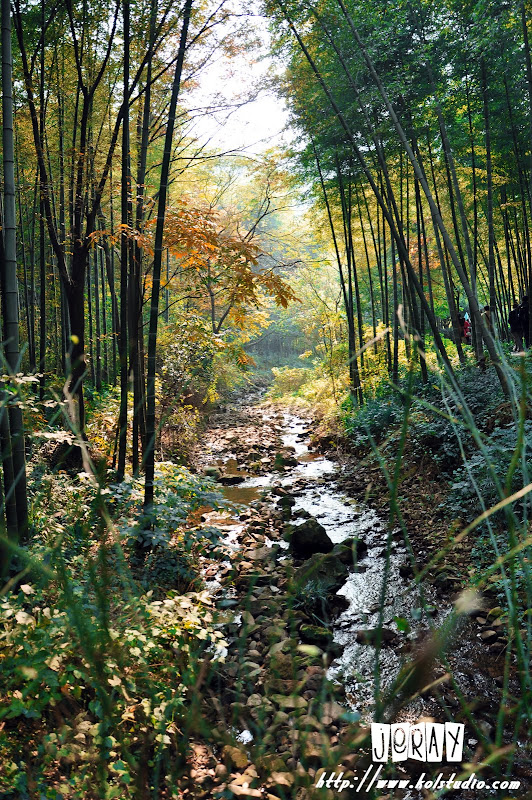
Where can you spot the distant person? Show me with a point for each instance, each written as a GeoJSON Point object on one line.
{"type": "Point", "coordinates": [524, 320]}
{"type": "Point", "coordinates": [461, 323]}
{"type": "Point", "coordinates": [486, 313]}
{"type": "Point", "coordinates": [516, 330]}
{"type": "Point", "coordinates": [467, 330]}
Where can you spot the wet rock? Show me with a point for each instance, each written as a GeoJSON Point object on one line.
{"type": "Point", "coordinates": [301, 513]}
{"type": "Point", "coordinates": [212, 472]}
{"type": "Point", "coordinates": [371, 636]}
{"type": "Point", "coordinates": [350, 550]}
{"type": "Point", "coordinates": [232, 480]}
{"type": "Point", "coordinates": [336, 604]}
{"type": "Point", "coordinates": [310, 537]}
{"type": "Point", "coordinates": [286, 500]}
{"type": "Point", "coordinates": [315, 634]}
{"type": "Point", "coordinates": [329, 570]}
{"type": "Point", "coordinates": [406, 571]}
{"type": "Point", "coordinates": [290, 461]}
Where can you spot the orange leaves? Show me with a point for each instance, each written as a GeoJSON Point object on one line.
{"type": "Point", "coordinates": [143, 241]}
{"type": "Point", "coordinates": [204, 234]}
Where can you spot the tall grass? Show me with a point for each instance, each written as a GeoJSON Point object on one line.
{"type": "Point", "coordinates": [107, 685]}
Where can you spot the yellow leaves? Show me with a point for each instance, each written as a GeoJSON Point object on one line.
{"type": "Point", "coordinates": [245, 360]}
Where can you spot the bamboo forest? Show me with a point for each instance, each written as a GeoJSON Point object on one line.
{"type": "Point", "coordinates": [266, 400]}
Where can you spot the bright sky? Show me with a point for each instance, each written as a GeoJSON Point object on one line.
{"type": "Point", "coordinates": [258, 124]}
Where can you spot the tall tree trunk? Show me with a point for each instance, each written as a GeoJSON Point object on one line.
{"type": "Point", "coordinates": [124, 256]}
{"type": "Point", "coordinates": [42, 243]}
{"type": "Point", "coordinates": [149, 457]}
{"type": "Point", "coordinates": [489, 214]}
{"type": "Point", "coordinates": [8, 276]}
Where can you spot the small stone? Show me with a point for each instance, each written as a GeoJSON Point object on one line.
{"type": "Point", "coordinates": [309, 722]}
{"type": "Point", "coordinates": [488, 636]}
{"type": "Point", "coordinates": [332, 710]}
{"type": "Point", "coordinates": [270, 762]}
{"type": "Point", "coordinates": [251, 666]}
{"type": "Point", "coordinates": [290, 701]}
{"type": "Point", "coordinates": [220, 771]}
{"type": "Point", "coordinates": [372, 636]}
{"type": "Point", "coordinates": [254, 700]}
{"type": "Point", "coordinates": [212, 472]}
{"type": "Point", "coordinates": [281, 665]}
{"type": "Point", "coordinates": [248, 618]}
{"type": "Point", "coordinates": [234, 757]}
{"type": "Point", "coordinates": [314, 746]}
{"type": "Point", "coordinates": [261, 553]}
{"type": "Point", "coordinates": [285, 779]}
{"type": "Point", "coordinates": [244, 791]}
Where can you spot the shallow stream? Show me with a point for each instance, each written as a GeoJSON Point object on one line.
{"type": "Point", "coordinates": [375, 584]}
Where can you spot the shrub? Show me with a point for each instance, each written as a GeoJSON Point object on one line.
{"type": "Point", "coordinates": [476, 479]}
{"type": "Point", "coordinates": [105, 695]}
{"type": "Point", "coordinates": [374, 420]}
{"type": "Point", "coordinates": [288, 380]}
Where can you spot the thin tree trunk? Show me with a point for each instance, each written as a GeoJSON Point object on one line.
{"type": "Point", "coordinates": [149, 457]}
{"type": "Point", "coordinates": [9, 283]}
{"type": "Point", "coordinates": [124, 256]}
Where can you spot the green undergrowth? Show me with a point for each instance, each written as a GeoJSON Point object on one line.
{"type": "Point", "coordinates": [475, 445]}
{"type": "Point", "coordinates": [103, 635]}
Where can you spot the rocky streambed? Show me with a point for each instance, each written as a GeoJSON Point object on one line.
{"type": "Point", "coordinates": [320, 614]}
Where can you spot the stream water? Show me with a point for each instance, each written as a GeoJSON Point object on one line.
{"type": "Point", "coordinates": [376, 591]}
{"type": "Point", "coordinates": [258, 449]}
